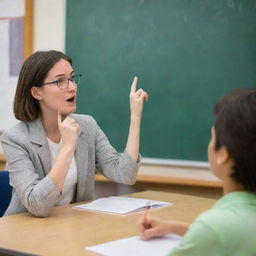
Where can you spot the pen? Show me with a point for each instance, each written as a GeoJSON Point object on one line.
{"type": "Point", "coordinates": [145, 218]}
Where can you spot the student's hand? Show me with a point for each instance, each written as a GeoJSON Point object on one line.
{"type": "Point", "coordinates": [154, 227]}
{"type": "Point", "coordinates": [69, 130]}
{"type": "Point", "coordinates": [137, 99]}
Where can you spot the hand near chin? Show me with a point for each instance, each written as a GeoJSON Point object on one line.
{"type": "Point", "coordinates": [69, 130]}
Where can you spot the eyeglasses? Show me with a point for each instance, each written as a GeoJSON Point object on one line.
{"type": "Point", "coordinates": [63, 82]}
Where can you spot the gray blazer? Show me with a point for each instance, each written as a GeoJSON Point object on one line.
{"type": "Point", "coordinates": [29, 161]}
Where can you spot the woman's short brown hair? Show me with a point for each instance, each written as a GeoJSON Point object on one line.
{"type": "Point", "coordinates": [33, 73]}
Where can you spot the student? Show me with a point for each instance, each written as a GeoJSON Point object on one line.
{"type": "Point", "coordinates": [229, 227]}
{"type": "Point", "coordinates": [52, 154]}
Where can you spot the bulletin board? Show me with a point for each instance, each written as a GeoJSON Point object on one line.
{"type": "Point", "coordinates": [16, 26]}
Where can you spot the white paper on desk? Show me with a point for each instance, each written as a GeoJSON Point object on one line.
{"type": "Point", "coordinates": [120, 205]}
{"type": "Point", "coordinates": [135, 246]}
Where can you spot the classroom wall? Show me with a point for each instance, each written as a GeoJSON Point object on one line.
{"type": "Point", "coordinates": [49, 25]}
{"type": "Point", "coordinates": [11, 15]}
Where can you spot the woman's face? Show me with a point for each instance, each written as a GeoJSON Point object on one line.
{"type": "Point", "coordinates": [51, 97]}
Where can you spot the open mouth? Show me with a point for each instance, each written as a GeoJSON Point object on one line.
{"type": "Point", "coordinates": [72, 99]}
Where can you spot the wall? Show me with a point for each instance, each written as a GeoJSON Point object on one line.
{"type": "Point", "coordinates": [49, 25]}
{"type": "Point", "coordinates": [8, 15]}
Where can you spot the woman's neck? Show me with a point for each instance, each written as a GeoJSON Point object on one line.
{"type": "Point", "coordinates": [51, 128]}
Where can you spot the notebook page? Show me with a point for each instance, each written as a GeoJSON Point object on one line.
{"type": "Point", "coordinates": [135, 246]}
{"type": "Point", "coordinates": [120, 205]}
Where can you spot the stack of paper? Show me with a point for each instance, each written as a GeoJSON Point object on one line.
{"type": "Point", "coordinates": [135, 246]}
{"type": "Point", "coordinates": [121, 205]}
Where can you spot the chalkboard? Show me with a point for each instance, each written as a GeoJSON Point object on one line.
{"type": "Point", "coordinates": [186, 53]}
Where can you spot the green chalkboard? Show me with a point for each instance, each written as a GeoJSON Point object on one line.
{"type": "Point", "coordinates": [186, 53]}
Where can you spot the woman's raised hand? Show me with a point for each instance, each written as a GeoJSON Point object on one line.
{"type": "Point", "coordinates": [137, 98]}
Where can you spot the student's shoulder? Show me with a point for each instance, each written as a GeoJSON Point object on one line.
{"type": "Point", "coordinates": [217, 221]}
{"type": "Point", "coordinates": [212, 216]}
{"type": "Point", "coordinates": [200, 237]}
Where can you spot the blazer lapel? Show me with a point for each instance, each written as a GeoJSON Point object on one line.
{"type": "Point", "coordinates": [81, 160]}
{"type": "Point", "coordinates": [38, 137]}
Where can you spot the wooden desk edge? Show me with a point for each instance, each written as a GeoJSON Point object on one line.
{"type": "Point", "coordinates": [169, 180]}
{"type": "Point", "coordinates": [2, 158]}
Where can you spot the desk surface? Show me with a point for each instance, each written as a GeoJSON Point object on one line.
{"type": "Point", "coordinates": [67, 231]}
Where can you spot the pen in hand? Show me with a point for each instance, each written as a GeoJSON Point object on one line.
{"type": "Point", "coordinates": [145, 216]}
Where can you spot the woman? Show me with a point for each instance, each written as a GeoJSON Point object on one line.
{"type": "Point", "coordinates": [52, 154]}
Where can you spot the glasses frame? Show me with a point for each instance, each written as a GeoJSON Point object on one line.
{"type": "Point", "coordinates": [69, 79]}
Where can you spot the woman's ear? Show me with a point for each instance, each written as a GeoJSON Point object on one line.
{"type": "Point", "coordinates": [35, 92]}
{"type": "Point", "coordinates": [223, 156]}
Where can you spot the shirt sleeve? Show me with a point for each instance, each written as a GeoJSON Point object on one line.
{"type": "Point", "coordinates": [200, 239]}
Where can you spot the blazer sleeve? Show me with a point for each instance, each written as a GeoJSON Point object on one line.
{"type": "Point", "coordinates": [37, 194]}
{"type": "Point", "coordinates": [119, 167]}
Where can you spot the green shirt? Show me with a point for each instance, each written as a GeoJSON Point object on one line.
{"type": "Point", "coordinates": [229, 228]}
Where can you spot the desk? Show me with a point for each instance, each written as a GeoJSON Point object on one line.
{"type": "Point", "coordinates": [2, 161]}
{"type": "Point", "coordinates": [67, 231]}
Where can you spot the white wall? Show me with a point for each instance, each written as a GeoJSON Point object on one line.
{"type": "Point", "coordinates": [7, 82]}
{"type": "Point", "coordinates": [49, 25]}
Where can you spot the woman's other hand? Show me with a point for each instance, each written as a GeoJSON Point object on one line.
{"type": "Point", "coordinates": [137, 98]}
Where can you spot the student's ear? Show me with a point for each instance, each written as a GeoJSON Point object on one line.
{"type": "Point", "coordinates": [35, 92]}
{"type": "Point", "coordinates": [223, 156]}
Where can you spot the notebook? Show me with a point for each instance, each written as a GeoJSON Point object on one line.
{"type": "Point", "coordinates": [135, 246]}
{"type": "Point", "coordinates": [121, 205]}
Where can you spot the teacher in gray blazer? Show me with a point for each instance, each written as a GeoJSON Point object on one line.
{"type": "Point", "coordinates": [53, 154]}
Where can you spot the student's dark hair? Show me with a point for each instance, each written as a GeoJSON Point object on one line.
{"type": "Point", "coordinates": [33, 73]}
{"type": "Point", "coordinates": [235, 128]}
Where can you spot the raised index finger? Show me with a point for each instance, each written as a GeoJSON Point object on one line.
{"type": "Point", "coordinates": [134, 84]}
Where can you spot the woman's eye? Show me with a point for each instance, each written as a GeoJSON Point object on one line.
{"type": "Point", "coordinates": [72, 78]}
{"type": "Point", "coordinates": [61, 80]}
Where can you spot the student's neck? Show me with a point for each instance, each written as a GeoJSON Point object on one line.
{"type": "Point", "coordinates": [51, 128]}
{"type": "Point", "coordinates": [231, 186]}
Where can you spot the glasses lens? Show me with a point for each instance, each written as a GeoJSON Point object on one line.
{"type": "Point", "coordinates": [62, 83]}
